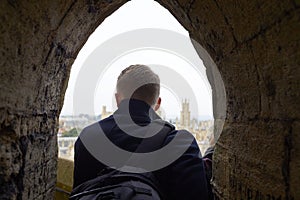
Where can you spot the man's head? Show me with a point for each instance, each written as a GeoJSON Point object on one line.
{"type": "Point", "coordinates": [139, 82]}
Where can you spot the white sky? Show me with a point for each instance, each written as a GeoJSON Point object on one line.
{"type": "Point", "coordinates": [139, 14]}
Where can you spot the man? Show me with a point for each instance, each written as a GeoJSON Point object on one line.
{"type": "Point", "coordinates": [137, 98]}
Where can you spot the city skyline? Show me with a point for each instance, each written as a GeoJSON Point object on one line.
{"type": "Point", "coordinates": [171, 117]}
{"type": "Point", "coordinates": [202, 130]}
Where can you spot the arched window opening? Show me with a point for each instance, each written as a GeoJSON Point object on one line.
{"type": "Point", "coordinates": [185, 90]}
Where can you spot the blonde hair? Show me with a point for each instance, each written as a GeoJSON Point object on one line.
{"type": "Point", "coordinates": [139, 82]}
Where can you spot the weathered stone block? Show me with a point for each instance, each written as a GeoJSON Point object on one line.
{"type": "Point", "coordinates": [277, 58]}
{"type": "Point", "coordinates": [240, 77]}
{"type": "Point", "coordinates": [294, 160]}
{"type": "Point", "coordinates": [251, 18]}
{"type": "Point", "coordinates": [245, 172]}
{"type": "Point", "coordinates": [211, 28]}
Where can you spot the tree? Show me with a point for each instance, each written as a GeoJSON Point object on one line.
{"type": "Point", "coordinates": [71, 133]}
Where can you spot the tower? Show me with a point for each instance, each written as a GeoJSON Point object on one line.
{"type": "Point", "coordinates": [185, 115]}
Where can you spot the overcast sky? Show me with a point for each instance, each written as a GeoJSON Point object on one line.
{"type": "Point", "coordinates": [139, 14]}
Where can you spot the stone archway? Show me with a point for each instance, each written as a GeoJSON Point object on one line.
{"type": "Point", "coordinates": [254, 44]}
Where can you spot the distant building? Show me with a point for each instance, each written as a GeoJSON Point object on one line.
{"type": "Point", "coordinates": [201, 130]}
{"type": "Point", "coordinates": [66, 147]}
{"type": "Point", "coordinates": [105, 113]}
{"type": "Point", "coordinates": [185, 115]}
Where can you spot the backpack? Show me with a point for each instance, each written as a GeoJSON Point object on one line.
{"type": "Point", "coordinates": [118, 185]}
{"type": "Point", "coordinates": [114, 184]}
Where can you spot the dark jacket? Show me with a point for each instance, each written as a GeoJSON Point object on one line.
{"type": "Point", "coordinates": [185, 178]}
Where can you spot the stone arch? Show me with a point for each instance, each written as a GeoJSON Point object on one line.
{"type": "Point", "coordinates": [255, 45]}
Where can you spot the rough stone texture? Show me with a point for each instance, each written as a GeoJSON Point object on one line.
{"type": "Point", "coordinates": [39, 42]}
{"type": "Point", "coordinates": [65, 171]}
{"type": "Point", "coordinates": [295, 161]}
{"type": "Point", "coordinates": [254, 44]}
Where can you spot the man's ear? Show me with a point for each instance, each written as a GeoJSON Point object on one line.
{"type": "Point", "coordinates": [157, 105]}
{"type": "Point", "coordinates": [118, 98]}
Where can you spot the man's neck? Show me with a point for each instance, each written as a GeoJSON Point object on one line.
{"type": "Point", "coordinates": [136, 107]}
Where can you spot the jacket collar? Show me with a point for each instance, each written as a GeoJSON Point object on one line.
{"type": "Point", "coordinates": [136, 108]}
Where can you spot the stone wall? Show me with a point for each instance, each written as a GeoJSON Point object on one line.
{"type": "Point", "coordinates": [254, 44]}
{"type": "Point", "coordinates": [39, 42]}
